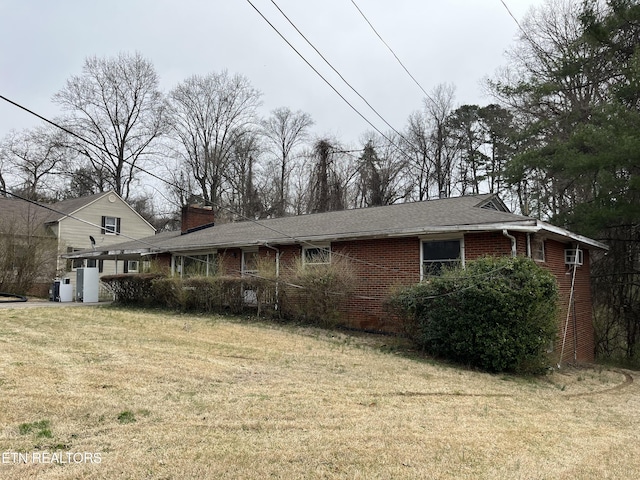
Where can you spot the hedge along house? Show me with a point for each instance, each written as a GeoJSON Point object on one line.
{"type": "Point", "coordinates": [388, 246]}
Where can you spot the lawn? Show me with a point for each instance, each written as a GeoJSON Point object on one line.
{"type": "Point", "coordinates": [101, 392]}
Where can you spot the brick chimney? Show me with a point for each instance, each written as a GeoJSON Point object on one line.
{"type": "Point", "coordinates": [196, 217]}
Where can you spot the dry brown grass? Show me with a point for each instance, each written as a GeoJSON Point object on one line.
{"type": "Point", "coordinates": [213, 398]}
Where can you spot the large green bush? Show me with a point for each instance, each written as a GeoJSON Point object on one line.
{"type": "Point", "coordinates": [498, 314]}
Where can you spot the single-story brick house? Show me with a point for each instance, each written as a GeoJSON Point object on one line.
{"type": "Point", "coordinates": [390, 246]}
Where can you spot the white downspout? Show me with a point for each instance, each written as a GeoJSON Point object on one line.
{"type": "Point", "coordinates": [514, 250]}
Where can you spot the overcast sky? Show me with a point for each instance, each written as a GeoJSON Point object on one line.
{"type": "Point", "coordinates": [461, 42]}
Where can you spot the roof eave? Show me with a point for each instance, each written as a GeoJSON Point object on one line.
{"type": "Point", "coordinates": [580, 239]}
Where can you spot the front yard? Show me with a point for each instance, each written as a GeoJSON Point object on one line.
{"type": "Point", "coordinates": [95, 392]}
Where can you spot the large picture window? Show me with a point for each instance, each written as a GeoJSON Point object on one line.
{"type": "Point", "coordinates": [202, 265]}
{"type": "Point", "coordinates": [439, 254]}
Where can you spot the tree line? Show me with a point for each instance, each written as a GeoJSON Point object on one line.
{"type": "Point", "coordinates": [206, 140]}
{"type": "Point", "coordinates": [560, 141]}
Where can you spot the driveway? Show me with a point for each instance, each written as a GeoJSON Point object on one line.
{"type": "Point", "coordinates": [45, 303]}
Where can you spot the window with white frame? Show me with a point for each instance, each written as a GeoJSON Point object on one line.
{"type": "Point", "coordinates": [316, 255]}
{"type": "Point", "coordinates": [250, 262]}
{"type": "Point", "coordinates": [110, 225]}
{"type": "Point", "coordinates": [131, 266]}
{"type": "Point", "coordinates": [537, 249]}
{"type": "Point", "coordinates": [438, 254]}
{"type": "Point", "coordinates": [75, 263]}
{"type": "Point", "coordinates": [200, 265]}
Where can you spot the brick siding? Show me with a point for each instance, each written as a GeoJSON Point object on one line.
{"type": "Point", "coordinates": [381, 265]}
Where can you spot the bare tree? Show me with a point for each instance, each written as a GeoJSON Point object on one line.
{"type": "Point", "coordinates": [381, 172]}
{"type": "Point", "coordinates": [243, 195]}
{"type": "Point", "coordinates": [116, 105]}
{"type": "Point", "coordinates": [438, 109]}
{"type": "Point", "coordinates": [418, 143]}
{"type": "Point", "coordinates": [5, 170]}
{"type": "Point", "coordinates": [37, 157]}
{"type": "Point", "coordinates": [210, 115]}
{"type": "Point", "coordinates": [467, 130]}
{"type": "Point", "coordinates": [432, 145]}
{"type": "Point", "coordinates": [284, 130]}
{"type": "Point", "coordinates": [28, 252]}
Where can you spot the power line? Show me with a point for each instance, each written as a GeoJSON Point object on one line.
{"type": "Point", "coordinates": [336, 71]}
{"type": "Point", "coordinates": [163, 180]}
{"type": "Point", "coordinates": [314, 69]}
{"type": "Point", "coordinates": [540, 49]}
{"type": "Point", "coordinates": [512, 16]}
{"type": "Point", "coordinates": [391, 142]}
{"type": "Point", "coordinates": [392, 52]}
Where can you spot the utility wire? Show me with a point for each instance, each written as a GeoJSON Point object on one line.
{"type": "Point", "coordinates": [392, 52]}
{"type": "Point", "coordinates": [221, 207]}
{"type": "Point", "coordinates": [360, 114]}
{"type": "Point", "coordinates": [315, 70]}
{"type": "Point", "coordinates": [336, 71]}
{"type": "Point", "coordinates": [52, 208]}
{"type": "Point", "coordinates": [512, 16]}
{"type": "Point", "coordinates": [525, 34]}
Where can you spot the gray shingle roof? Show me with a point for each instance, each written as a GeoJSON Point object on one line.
{"type": "Point", "coordinates": [20, 212]}
{"type": "Point", "coordinates": [451, 214]}
{"type": "Point", "coordinates": [20, 216]}
{"type": "Point", "coordinates": [405, 218]}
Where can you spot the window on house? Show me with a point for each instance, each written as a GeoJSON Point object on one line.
{"type": "Point", "coordinates": [198, 265]}
{"type": "Point", "coordinates": [131, 266]}
{"type": "Point", "coordinates": [110, 225]}
{"type": "Point", "coordinates": [537, 249]}
{"type": "Point", "coordinates": [91, 262]}
{"type": "Point", "coordinates": [249, 262]}
{"type": "Point", "coordinates": [74, 263]}
{"type": "Point", "coordinates": [439, 254]}
{"type": "Point", "coordinates": [320, 255]}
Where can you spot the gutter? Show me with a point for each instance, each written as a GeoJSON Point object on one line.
{"type": "Point", "coordinates": [514, 249]}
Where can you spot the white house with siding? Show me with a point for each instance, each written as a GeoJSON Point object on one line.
{"type": "Point", "coordinates": [93, 221]}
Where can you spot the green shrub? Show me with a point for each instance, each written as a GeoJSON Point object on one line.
{"type": "Point", "coordinates": [127, 416]}
{"type": "Point", "coordinates": [497, 314]}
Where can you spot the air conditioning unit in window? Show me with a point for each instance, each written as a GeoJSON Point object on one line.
{"type": "Point", "coordinates": [573, 256]}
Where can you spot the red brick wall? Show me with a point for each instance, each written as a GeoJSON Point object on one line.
{"type": "Point", "coordinates": [194, 216]}
{"type": "Point", "coordinates": [163, 261]}
{"type": "Point", "coordinates": [579, 343]}
{"type": "Point", "coordinates": [383, 264]}
{"type": "Point", "coordinates": [380, 266]}
{"type": "Point", "coordinates": [478, 245]}
{"type": "Point", "coordinates": [230, 261]}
